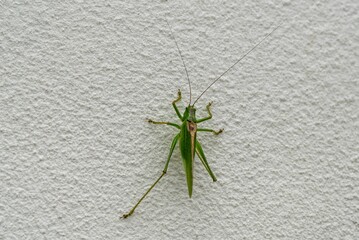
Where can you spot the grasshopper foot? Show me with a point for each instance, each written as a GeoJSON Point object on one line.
{"type": "Point", "coordinates": [124, 216]}
{"type": "Point", "coordinates": [149, 120]}
{"type": "Point", "coordinates": [218, 132]}
{"type": "Point", "coordinates": [179, 97]}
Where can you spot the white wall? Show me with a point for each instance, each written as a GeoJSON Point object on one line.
{"type": "Point", "coordinates": [78, 80]}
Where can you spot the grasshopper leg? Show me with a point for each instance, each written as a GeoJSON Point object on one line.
{"type": "Point", "coordinates": [167, 123]}
{"type": "Point", "coordinates": [174, 142]}
{"type": "Point", "coordinates": [174, 104]}
{"type": "Point", "coordinates": [208, 107]}
{"type": "Point", "coordinates": [210, 130]}
{"type": "Point", "coordinates": [203, 159]}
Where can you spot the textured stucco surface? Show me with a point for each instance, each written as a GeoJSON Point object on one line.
{"type": "Point", "coordinates": [78, 79]}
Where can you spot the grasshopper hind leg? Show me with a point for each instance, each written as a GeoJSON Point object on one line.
{"type": "Point", "coordinates": [173, 145]}
{"type": "Point", "coordinates": [203, 159]}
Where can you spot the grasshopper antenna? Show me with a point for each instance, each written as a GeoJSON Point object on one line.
{"type": "Point", "coordinates": [248, 52]}
{"type": "Point", "coordinates": [184, 65]}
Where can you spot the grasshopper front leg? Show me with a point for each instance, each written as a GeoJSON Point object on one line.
{"type": "Point", "coordinates": [209, 114]}
{"type": "Point", "coordinates": [174, 104]}
{"type": "Point", "coordinates": [177, 112]}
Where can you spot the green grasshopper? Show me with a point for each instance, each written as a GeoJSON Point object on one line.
{"type": "Point", "coordinates": [187, 137]}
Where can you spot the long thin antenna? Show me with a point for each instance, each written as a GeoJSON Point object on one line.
{"type": "Point", "coordinates": [248, 52]}
{"type": "Point", "coordinates": [184, 65]}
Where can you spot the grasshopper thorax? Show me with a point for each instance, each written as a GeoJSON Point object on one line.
{"type": "Point", "coordinates": [189, 114]}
